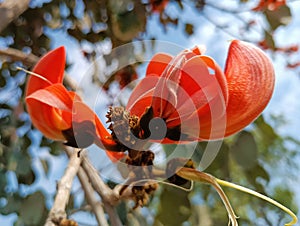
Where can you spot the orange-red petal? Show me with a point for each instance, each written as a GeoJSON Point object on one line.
{"type": "Point", "coordinates": [158, 64]}
{"type": "Point", "coordinates": [141, 96]}
{"type": "Point", "coordinates": [165, 93]}
{"type": "Point", "coordinates": [81, 112]}
{"type": "Point", "coordinates": [202, 98]}
{"type": "Point", "coordinates": [56, 96]}
{"type": "Point", "coordinates": [50, 110]}
{"type": "Point", "coordinates": [51, 67]}
{"type": "Point", "coordinates": [250, 80]}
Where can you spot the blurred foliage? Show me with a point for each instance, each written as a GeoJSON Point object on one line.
{"type": "Point", "coordinates": [248, 158]}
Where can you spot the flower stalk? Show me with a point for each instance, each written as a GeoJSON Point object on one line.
{"type": "Point", "coordinates": [198, 176]}
{"type": "Point", "coordinates": [261, 196]}
{"type": "Point", "coordinates": [195, 175]}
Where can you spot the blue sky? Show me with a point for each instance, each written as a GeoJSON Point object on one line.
{"type": "Point", "coordinates": [285, 100]}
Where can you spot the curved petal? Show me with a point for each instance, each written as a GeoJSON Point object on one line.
{"type": "Point", "coordinates": [102, 138]}
{"type": "Point", "coordinates": [220, 76]}
{"type": "Point", "coordinates": [115, 156]}
{"type": "Point", "coordinates": [50, 110]}
{"type": "Point", "coordinates": [51, 67]}
{"type": "Point", "coordinates": [199, 90]}
{"type": "Point", "coordinates": [56, 96]}
{"type": "Point", "coordinates": [158, 64]}
{"type": "Point", "coordinates": [199, 49]}
{"type": "Point", "coordinates": [48, 119]}
{"type": "Point", "coordinates": [210, 98]}
{"type": "Point", "coordinates": [141, 96]}
{"type": "Point", "coordinates": [195, 77]}
{"type": "Point", "coordinates": [165, 93]}
{"type": "Point", "coordinates": [250, 79]}
{"type": "Point", "coordinates": [82, 112]}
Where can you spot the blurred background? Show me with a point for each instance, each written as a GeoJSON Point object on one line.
{"type": "Point", "coordinates": [264, 157]}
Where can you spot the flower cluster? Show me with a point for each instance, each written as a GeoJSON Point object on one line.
{"type": "Point", "coordinates": [181, 99]}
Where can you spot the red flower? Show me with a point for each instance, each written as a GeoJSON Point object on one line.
{"type": "Point", "coordinates": [158, 5]}
{"type": "Point", "coordinates": [181, 99]}
{"type": "Point", "coordinates": [269, 4]}
{"type": "Point", "coordinates": [60, 114]}
{"type": "Point", "coordinates": [190, 97]}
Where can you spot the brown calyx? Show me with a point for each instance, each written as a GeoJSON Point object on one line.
{"type": "Point", "coordinates": [127, 132]}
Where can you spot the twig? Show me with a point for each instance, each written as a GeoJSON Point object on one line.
{"type": "Point", "coordinates": [91, 199]}
{"type": "Point", "coordinates": [98, 184]}
{"type": "Point", "coordinates": [16, 55]}
{"type": "Point", "coordinates": [226, 10]}
{"type": "Point", "coordinates": [222, 28]}
{"type": "Point", "coordinates": [63, 191]}
{"type": "Point", "coordinates": [235, 13]}
{"type": "Point", "coordinates": [109, 197]}
{"type": "Point", "coordinates": [10, 10]}
{"type": "Point", "coordinates": [89, 194]}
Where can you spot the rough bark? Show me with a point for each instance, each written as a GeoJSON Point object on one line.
{"type": "Point", "coordinates": [10, 10]}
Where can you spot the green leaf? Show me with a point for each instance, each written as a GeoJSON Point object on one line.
{"type": "Point", "coordinates": [280, 17]}
{"type": "Point", "coordinates": [285, 197]}
{"type": "Point", "coordinates": [3, 182]}
{"type": "Point", "coordinates": [244, 150]}
{"type": "Point", "coordinates": [189, 29]}
{"type": "Point", "coordinates": [220, 165]}
{"type": "Point", "coordinates": [267, 132]}
{"type": "Point", "coordinates": [123, 212]}
{"type": "Point", "coordinates": [23, 170]}
{"type": "Point", "coordinates": [25, 142]}
{"type": "Point", "coordinates": [2, 82]}
{"type": "Point", "coordinates": [33, 209]}
{"type": "Point", "coordinates": [23, 164]}
{"type": "Point", "coordinates": [269, 40]}
{"type": "Point", "coordinates": [257, 172]}
{"type": "Point", "coordinates": [28, 178]}
{"type": "Point", "coordinates": [55, 147]}
{"type": "Point", "coordinates": [126, 25]}
{"type": "Point", "coordinates": [175, 207]}
{"type": "Point", "coordinates": [13, 205]}
{"type": "Point", "coordinates": [169, 148]}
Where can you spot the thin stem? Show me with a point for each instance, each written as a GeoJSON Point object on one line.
{"type": "Point", "coordinates": [29, 60]}
{"type": "Point", "coordinates": [163, 182]}
{"type": "Point", "coordinates": [13, 55]}
{"type": "Point", "coordinates": [226, 10]}
{"type": "Point", "coordinates": [251, 192]}
{"type": "Point", "coordinates": [90, 194]}
{"type": "Point", "coordinates": [91, 199]}
{"type": "Point", "coordinates": [222, 28]}
{"type": "Point", "coordinates": [63, 191]}
{"type": "Point", "coordinates": [34, 74]}
{"type": "Point", "coordinates": [108, 196]}
{"type": "Point", "coordinates": [195, 175]}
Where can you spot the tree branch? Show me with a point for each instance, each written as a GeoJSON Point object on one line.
{"type": "Point", "coordinates": [57, 211]}
{"type": "Point", "coordinates": [13, 55]}
{"type": "Point", "coordinates": [90, 194]}
{"type": "Point", "coordinates": [10, 10]}
{"type": "Point", "coordinates": [91, 199]}
{"type": "Point", "coordinates": [109, 197]}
